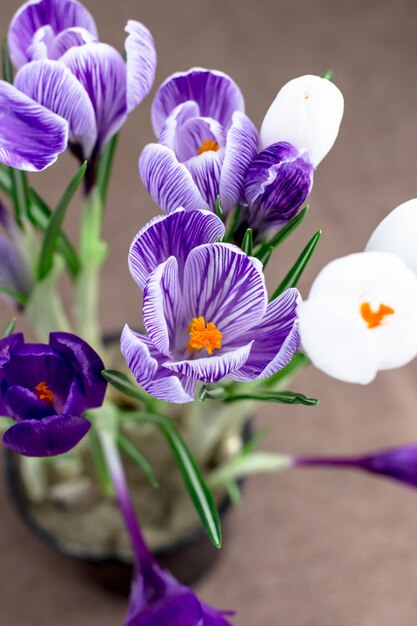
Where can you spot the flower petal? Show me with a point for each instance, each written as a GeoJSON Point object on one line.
{"type": "Point", "coordinates": [168, 181]}
{"type": "Point", "coordinates": [140, 63]}
{"type": "Point", "coordinates": [31, 137]}
{"type": "Point", "coordinates": [277, 339]}
{"type": "Point", "coordinates": [225, 286]}
{"type": "Point", "coordinates": [397, 234]}
{"type": "Point", "coordinates": [175, 235]}
{"type": "Point", "coordinates": [7, 344]}
{"type": "Point", "coordinates": [192, 133]}
{"type": "Point", "coordinates": [101, 70]}
{"type": "Point", "coordinates": [205, 170]}
{"type": "Point", "coordinates": [49, 436]}
{"type": "Point", "coordinates": [216, 94]}
{"type": "Point", "coordinates": [241, 148]}
{"type": "Point", "coordinates": [146, 364]}
{"type": "Point", "coordinates": [162, 305]}
{"type": "Point", "coordinates": [183, 609]}
{"type": "Point", "coordinates": [307, 113]}
{"type": "Point", "coordinates": [51, 84]}
{"type": "Point", "coordinates": [46, 45]}
{"type": "Point", "coordinates": [86, 362]}
{"type": "Point", "coordinates": [59, 14]}
{"type": "Point", "coordinates": [23, 404]}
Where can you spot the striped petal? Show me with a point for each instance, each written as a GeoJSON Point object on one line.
{"type": "Point", "coordinates": [205, 170]}
{"type": "Point", "coordinates": [140, 63]}
{"type": "Point", "coordinates": [175, 235]}
{"type": "Point", "coordinates": [46, 45]}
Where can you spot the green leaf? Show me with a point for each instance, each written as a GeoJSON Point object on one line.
{"type": "Point", "coordinates": [283, 233]}
{"type": "Point", "coordinates": [240, 466]}
{"type": "Point", "coordinates": [233, 492]}
{"type": "Point", "coordinates": [6, 62]}
{"type": "Point", "coordinates": [138, 457]}
{"type": "Point", "coordinates": [280, 397]}
{"type": "Point", "coordinates": [54, 226]}
{"type": "Point", "coordinates": [255, 441]}
{"type": "Point", "coordinates": [219, 210]}
{"type": "Point", "coordinates": [105, 167]}
{"type": "Point", "coordinates": [9, 328]}
{"type": "Point", "coordinates": [5, 180]}
{"type": "Point", "coordinates": [328, 75]}
{"type": "Point", "coordinates": [233, 225]}
{"type": "Point", "coordinates": [41, 215]}
{"type": "Point", "coordinates": [122, 383]}
{"type": "Point", "coordinates": [247, 243]}
{"type": "Point", "coordinates": [20, 298]}
{"type": "Point", "coordinates": [100, 462]}
{"type": "Point", "coordinates": [299, 266]}
{"type": "Point", "coordinates": [264, 258]}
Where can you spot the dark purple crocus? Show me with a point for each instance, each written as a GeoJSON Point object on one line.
{"type": "Point", "coordinates": [396, 463]}
{"type": "Point", "coordinates": [277, 182]}
{"type": "Point", "coordinates": [157, 598]}
{"type": "Point", "coordinates": [46, 389]}
{"type": "Point", "coordinates": [205, 142]}
{"type": "Point", "coordinates": [205, 309]}
{"type": "Point", "coordinates": [65, 68]}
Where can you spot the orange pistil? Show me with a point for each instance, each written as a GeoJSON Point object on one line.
{"type": "Point", "coordinates": [375, 318]}
{"type": "Point", "coordinates": [203, 335]}
{"type": "Point", "coordinates": [44, 393]}
{"type": "Point", "coordinates": [209, 145]}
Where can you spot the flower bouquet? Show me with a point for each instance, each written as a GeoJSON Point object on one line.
{"type": "Point", "coordinates": [82, 417]}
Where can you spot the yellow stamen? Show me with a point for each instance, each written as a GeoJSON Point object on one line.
{"type": "Point", "coordinates": [375, 318]}
{"type": "Point", "coordinates": [209, 145]}
{"type": "Point", "coordinates": [203, 335]}
{"type": "Point", "coordinates": [44, 393]}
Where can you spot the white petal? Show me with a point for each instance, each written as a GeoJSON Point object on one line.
{"type": "Point", "coordinates": [307, 113]}
{"type": "Point", "coordinates": [397, 233]}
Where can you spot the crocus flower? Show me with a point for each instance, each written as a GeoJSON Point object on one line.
{"type": "Point", "coordinates": [277, 182]}
{"type": "Point", "coordinates": [206, 142]}
{"type": "Point", "coordinates": [205, 310]}
{"type": "Point", "coordinates": [46, 389]}
{"type": "Point", "coordinates": [397, 233]}
{"type": "Point", "coordinates": [31, 137]}
{"type": "Point", "coordinates": [361, 316]}
{"type": "Point", "coordinates": [397, 463]}
{"type": "Point", "coordinates": [306, 113]}
{"type": "Point", "coordinates": [14, 271]}
{"type": "Point", "coordinates": [89, 85]}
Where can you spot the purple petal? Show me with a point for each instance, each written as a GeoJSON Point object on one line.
{"type": "Point", "coordinates": [182, 610]}
{"type": "Point", "coordinates": [181, 114]}
{"type": "Point", "coordinates": [162, 305]}
{"type": "Point", "coordinates": [23, 404]}
{"type": "Point", "coordinates": [46, 45]}
{"type": "Point", "coordinates": [168, 181]}
{"type": "Point", "coordinates": [241, 147]}
{"type": "Point", "coordinates": [175, 235]}
{"type": "Point", "coordinates": [146, 364]}
{"type": "Point", "coordinates": [85, 362]}
{"type": "Point", "coordinates": [7, 344]}
{"type": "Point", "coordinates": [277, 339]}
{"type": "Point", "coordinates": [216, 94]}
{"type": "Point", "coordinates": [49, 436]}
{"type": "Point", "coordinates": [191, 133]}
{"type": "Point", "coordinates": [13, 270]}
{"type": "Point", "coordinates": [227, 287]}
{"type": "Point", "coordinates": [140, 63]}
{"type": "Point", "coordinates": [31, 137]}
{"type": "Point", "coordinates": [52, 84]}
{"type": "Point", "coordinates": [101, 70]}
{"type": "Point", "coordinates": [59, 14]}
{"type": "Point", "coordinates": [205, 170]}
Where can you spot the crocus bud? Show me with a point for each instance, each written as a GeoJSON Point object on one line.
{"type": "Point", "coordinates": [397, 233]}
{"type": "Point", "coordinates": [277, 182]}
{"type": "Point", "coordinates": [307, 113]}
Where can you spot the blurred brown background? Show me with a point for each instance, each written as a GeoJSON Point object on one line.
{"type": "Point", "coordinates": [335, 549]}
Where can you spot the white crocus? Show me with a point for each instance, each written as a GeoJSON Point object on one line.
{"type": "Point", "coordinates": [361, 316]}
{"type": "Point", "coordinates": [307, 113]}
{"type": "Point", "coordinates": [397, 233]}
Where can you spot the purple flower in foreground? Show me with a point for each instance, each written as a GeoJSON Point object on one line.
{"type": "Point", "coordinates": [86, 82]}
{"type": "Point", "coordinates": [205, 310]}
{"type": "Point", "coordinates": [396, 463]}
{"type": "Point", "coordinates": [277, 182]}
{"type": "Point", "coordinates": [206, 142]}
{"type": "Point", "coordinates": [31, 137]}
{"type": "Point", "coordinates": [46, 389]}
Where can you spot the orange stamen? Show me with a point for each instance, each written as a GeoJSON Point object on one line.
{"type": "Point", "coordinates": [209, 145]}
{"type": "Point", "coordinates": [44, 393]}
{"type": "Point", "coordinates": [203, 335]}
{"type": "Point", "coordinates": [375, 318]}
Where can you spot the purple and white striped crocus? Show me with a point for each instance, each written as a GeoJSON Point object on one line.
{"type": "Point", "coordinates": [65, 68]}
{"type": "Point", "coordinates": [205, 142]}
{"type": "Point", "coordinates": [46, 389]}
{"type": "Point", "coordinates": [205, 310]}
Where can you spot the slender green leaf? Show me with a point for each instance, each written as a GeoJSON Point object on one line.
{"type": "Point", "coordinates": [41, 215]}
{"type": "Point", "coordinates": [9, 328]}
{"type": "Point", "coordinates": [100, 462]}
{"type": "Point", "coordinates": [16, 295]}
{"type": "Point", "coordinates": [233, 492]}
{"type": "Point", "coordinates": [5, 180]}
{"type": "Point", "coordinates": [297, 363]}
{"type": "Point", "coordinates": [105, 167]}
{"type": "Point", "coordinates": [280, 397]}
{"type": "Point", "coordinates": [299, 266]}
{"type": "Point", "coordinates": [247, 243]}
{"type": "Point", "coordinates": [328, 75]}
{"type": "Point", "coordinates": [264, 258]}
{"type": "Point", "coordinates": [283, 233]}
{"type": "Point", "coordinates": [240, 466]}
{"type": "Point", "coordinates": [122, 383]}
{"type": "Point", "coordinates": [234, 224]}
{"type": "Point", "coordinates": [219, 210]}
{"type": "Point", "coordinates": [139, 458]}
{"type": "Point", "coordinates": [255, 441]}
{"type": "Point", "coordinates": [54, 226]}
